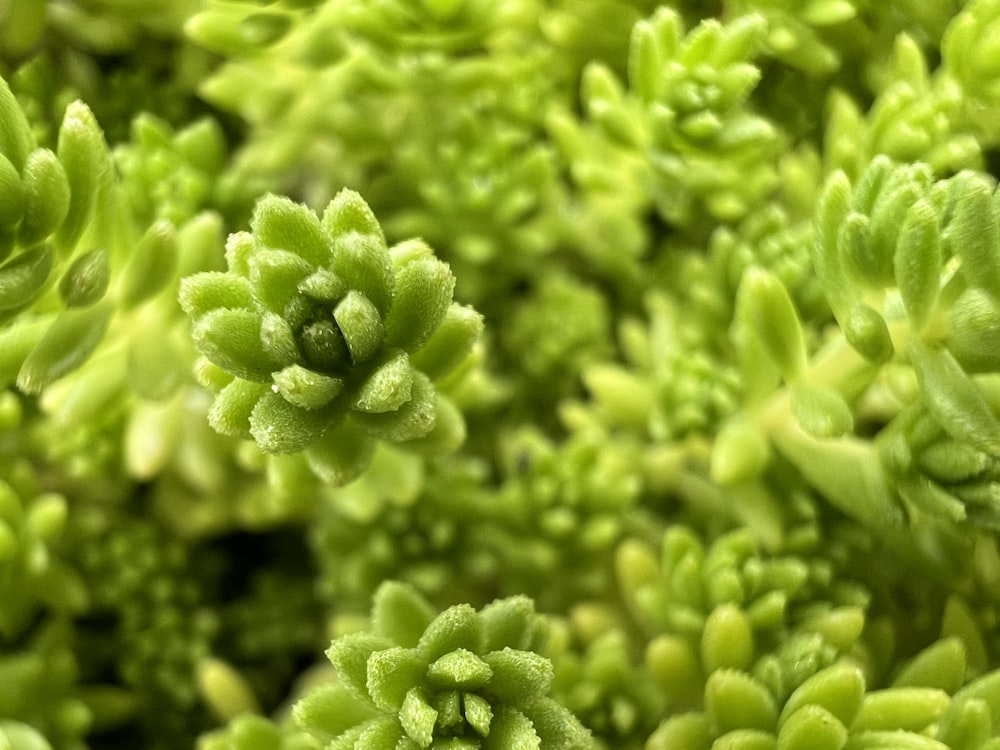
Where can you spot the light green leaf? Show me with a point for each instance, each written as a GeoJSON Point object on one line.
{"type": "Point", "coordinates": [812, 727]}
{"type": "Point", "coordinates": [414, 419]}
{"type": "Point", "coordinates": [941, 665]}
{"type": "Point", "coordinates": [231, 339]}
{"type": "Point", "coordinates": [86, 280]}
{"type": "Point", "coordinates": [83, 153]}
{"type": "Point", "coordinates": [511, 730]}
{"type": "Point", "coordinates": [911, 708]}
{"type": "Point", "coordinates": [954, 399]}
{"type": "Point", "coordinates": [400, 614]}
{"type": "Point", "coordinates": [510, 622]}
{"type": "Point", "coordinates": [359, 322]}
{"type": "Point", "coordinates": [392, 673]}
{"type": "Point", "coordinates": [23, 277]}
{"type": "Point", "coordinates": [459, 669]}
{"type": "Point", "coordinates": [917, 262]}
{"type": "Point", "coordinates": [331, 709]}
{"type": "Point", "coordinates": [305, 388]}
{"type": "Point", "coordinates": [275, 276]}
{"type": "Point", "coordinates": [151, 266]}
{"type": "Point", "coordinates": [727, 640]}
{"type": "Point", "coordinates": [279, 223]}
{"type": "Point", "coordinates": [233, 405]}
{"type": "Point", "coordinates": [209, 290]}
{"type": "Point", "coordinates": [838, 689]}
{"type": "Point", "coordinates": [418, 718]}
{"type": "Point", "coordinates": [457, 627]}
{"type": "Point", "coordinates": [974, 235]}
{"type": "Point", "coordinates": [735, 700]}
{"type": "Point", "coordinates": [281, 427]}
{"type": "Point", "coordinates": [773, 318]}
{"type": "Point", "coordinates": [12, 198]}
{"type": "Point", "coordinates": [47, 197]}
{"type": "Point", "coordinates": [388, 387]}
{"type": "Point", "coordinates": [342, 455]}
{"type": "Point", "coordinates": [68, 343]}
{"type": "Point", "coordinates": [821, 412]}
{"type": "Point", "coordinates": [518, 676]}
{"type": "Point", "coordinates": [423, 295]}
{"type": "Point", "coordinates": [450, 344]}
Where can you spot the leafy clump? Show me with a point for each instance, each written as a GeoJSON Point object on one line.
{"type": "Point", "coordinates": [461, 678]}
{"type": "Point", "coordinates": [328, 340]}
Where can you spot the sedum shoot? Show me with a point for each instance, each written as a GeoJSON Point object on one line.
{"type": "Point", "coordinates": [479, 375]}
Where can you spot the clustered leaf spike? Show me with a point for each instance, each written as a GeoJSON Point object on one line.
{"type": "Point", "coordinates": [429, 679]}
{"type": "Point", "coordinates": [319, 310]}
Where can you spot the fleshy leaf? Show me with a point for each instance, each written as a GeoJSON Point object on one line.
{"type": "Point", "coordinates": [388, 387]}
{"type": "Point", "coordinates": [86, 280]}
{"type": "Point", "coordinates": [392, 673]}
{"type": "Point", "coordinates": [67, 344]}
{"type": "Point", "coordinates": [511, 730]}
{"type": "Point", "coordinates": [231, 339]}
{"type": "Point", "coordinates": [330, 710]}
{"type": "Point", "coordinates": [955, 400]}
{"type": "Point", "coordinates": [414, 419]}
{"type": "Point", "coordinates": [459, 669]}
{"type": "Point", "coordinates": [305, 388]}
{"type": "Point", "coordinates": [280, 223]}
{"type": "Point", "coordinates": [359, 322]}
{"type": "Point", "coordinates": [23, 277]}
{"type": "Point", "coordinates": [342, 454]}
{"type": "Point", "coordinates": [424, 289]}
{"type": "Point", "coordinates": [450, 344]}
{"type": "Point", "coordinates": [152, 264]}
{"type": "Point", "coordinates": [46, 197]}
{"type": "Point", "coordinates": [735, 700]}
{"type": "Point", "coordinates": [400, 613]}
{"type": "Point", "coordinates": [518, 676]}
{"type": "Point", "coordinates": [418, 718]}
{"type": "Point", "coordinates": [81, 151]}
{"type": "Point", "coordinates": [458, 627]}
{"type": "Point", "coordinates": [281, 427]}
{"type": "Point", "coordinates": [203, 292]}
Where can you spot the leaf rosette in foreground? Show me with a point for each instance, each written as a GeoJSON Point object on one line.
{"type": "Point", "coordinates": [320, 337]}
{"type": "Point", "coordinates": [462, 679]}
